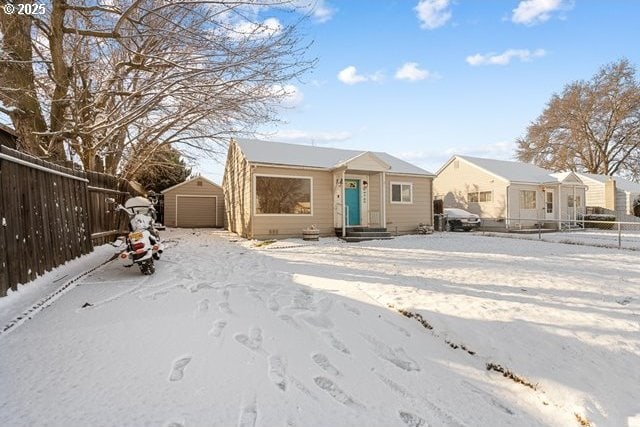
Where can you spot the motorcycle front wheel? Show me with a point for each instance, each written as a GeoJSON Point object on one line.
{"type": "Point", "coordinates": [147, 268]}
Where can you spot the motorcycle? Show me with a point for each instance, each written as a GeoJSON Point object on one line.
{"type": "Point", "coordinates": [143, 244]}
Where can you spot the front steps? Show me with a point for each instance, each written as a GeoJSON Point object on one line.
{"type": "Point", "coordinates": [362, 234]}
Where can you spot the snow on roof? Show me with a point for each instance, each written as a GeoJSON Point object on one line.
{"type": "Point", "coordinates": [621, 183]}
{"type": "Point", "coordinates": [187, 181]}
{"type": "Point", "coordinates": [513, 171]}
{"type": "Point", "coordinates": [280, 153]}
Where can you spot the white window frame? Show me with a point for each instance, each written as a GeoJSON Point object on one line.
{"type": "Point", "coordinates": [535, 200]}
{"type": "Point", "coordinates": [477, 196]}
{"type": "Point", "coordinates": [255, 198]}
{"type": "Point", "coordinates": [410, 184]}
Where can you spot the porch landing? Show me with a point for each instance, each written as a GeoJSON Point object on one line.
{"type": "Point", "coordinates": [362, 234]}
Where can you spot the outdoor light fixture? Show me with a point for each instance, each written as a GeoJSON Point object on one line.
{"type": "Point", "coordinates": [365, 184]}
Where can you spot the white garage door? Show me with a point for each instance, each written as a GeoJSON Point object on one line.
{"type": "Point", "coordinates": [196, 211]}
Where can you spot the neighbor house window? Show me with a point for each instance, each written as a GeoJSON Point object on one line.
{"type": "Point", "coordinates": [573, 203]}
{"type": "Point", "coordinates": [401, 192]}
{"type": "Point", "coordinates": [283, 195]}
{"type": "Point", "coordinates": [527, 199]}
{"type": "Point", "coordinates": [479, 196]}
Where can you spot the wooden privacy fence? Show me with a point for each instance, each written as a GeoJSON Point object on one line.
{"type": "Point", "coordinates": [106, 222]}
{"type": "Point", "coordinates": [48, 214]}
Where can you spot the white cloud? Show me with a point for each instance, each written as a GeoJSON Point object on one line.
{"type": "Point", "coordinates": [314, 137]}
{"type": "Point", "coordinates": [433, 13]}
{"type": "Point", "coordinates": [411, 72]}
{"type": "Point", "coordinates": [350, 76]}
{"type": "Point", "coordinates": [531, 12]}
{"type": "Point", "coordinates": [267, 28]}
{"type": "Point", "coordinates": [289, 95]}
{"type": "Point", "coordinates": [434, 158]}
{"type": "Point", "coordinates": [504, 58]}
{"type": "Point", "coordinates": [319, 10]}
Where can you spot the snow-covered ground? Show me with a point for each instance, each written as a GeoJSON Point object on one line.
{"type": "Point", "coordinates": [310, 334]}
{"type": "Point", "coordinates": [626, 239]}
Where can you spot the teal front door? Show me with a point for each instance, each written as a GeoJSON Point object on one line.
{"type": "Point", "coordinates": [352, 199]}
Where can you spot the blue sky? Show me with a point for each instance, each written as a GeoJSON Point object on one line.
{"type": "Point", "coordinates": [481, 70]}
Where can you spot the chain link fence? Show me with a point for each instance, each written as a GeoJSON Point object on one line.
{"type": "Point", "coordinates": [589, 230]}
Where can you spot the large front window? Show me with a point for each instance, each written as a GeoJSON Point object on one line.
{"type": "Point", "coordinates": [527, 199]}
{"type": "Point", "coordinates": [278, 195]}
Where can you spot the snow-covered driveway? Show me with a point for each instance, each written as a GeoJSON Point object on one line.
{"type": "Point", "coordinates": [291, 334]}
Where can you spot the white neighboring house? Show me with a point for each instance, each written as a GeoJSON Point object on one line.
{"type": "Point", "coordinates": [510, 195]}
{"type": "Point", "coordinates": [612, 193]}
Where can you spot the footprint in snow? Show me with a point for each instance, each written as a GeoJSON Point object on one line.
{"type": "Point", "coordinates": [398, 356]}
{"type": "Point", "coordinates": [334, 391]}
{"type": "Point", "coordinates": [273, 304]}
{"type": "Point", "coordinates": [411, 420]}
{"type": "Point", "coordinates": [336, 343]}
{"type": "Point", "coordinates": [253, 341]}
{"type": "Point", "coordinates": [351, 309]}
{"type": "Point", "coordinates": [202, 307]}
{"type": "Point", "coordinates": [288, 320]}
{"type": "Point", "coordinates": [218, 327]}
{"type": "Point", "coordinates": [277, 371]}
{"type": "Point", "coordinates": [323, 362]}
{"type": "Point", "coordinates": [177, 370]}
{"type": "Point", "coordinates": [224, 307]}
{"type": "Point", "coordinates": [318, 320]}
{"type": "Point", "coordinates": [400, 329]}
{"type": "Point", "coordinates": [248, 415]}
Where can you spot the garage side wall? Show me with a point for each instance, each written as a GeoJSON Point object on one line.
{"type": "Point", "coordinates": [193, 202]}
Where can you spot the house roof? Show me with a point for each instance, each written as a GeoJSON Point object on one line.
{"type": "Point", "coordinates": [187, 181]}
{"type": "Point", "coordinates": [621, 183]}
{"type": "Point", "coordinates": [511, 171]}
{"type": "Point", "coordinates": [280, 153]}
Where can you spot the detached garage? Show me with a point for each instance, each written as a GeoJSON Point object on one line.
{"type": "Point", "coordinates": [197, 202]}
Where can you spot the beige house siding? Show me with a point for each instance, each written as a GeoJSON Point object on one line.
{"type": "Point", "coordinates": [405, 217]}
{"type": "Point", "coordinates": [237, 192]}
{"type": "Point", "coordinates": [528, 217]}
{"type": "Point", "coordinates": [375, 194]}
{"type": "Point", "coordinates": [595, 193]}
{"type": "Point", "coordinates": [282, 226]}
{"type": "Point", "coordinates": [596, 197]}
{"type": "Point", "coordinates": [457, 180]}
{"type": "Point", "coordinates": [180, 210]}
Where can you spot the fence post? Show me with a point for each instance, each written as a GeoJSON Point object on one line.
{"type": "Point", "coordinates": [539, 230]}
{"type": "Point", "coordinates": [619, 235]}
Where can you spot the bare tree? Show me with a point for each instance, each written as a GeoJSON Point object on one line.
{"type": "Point", "coordinates": [593, 126]}
{"type": "Point", "coordinates": [116, 81]}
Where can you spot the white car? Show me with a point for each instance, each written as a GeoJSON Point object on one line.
{"type": "Point", "coordinates": [459, 219]}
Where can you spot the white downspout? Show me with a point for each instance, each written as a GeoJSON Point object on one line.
{"type": "Point", "coordinates": [508, 224]}
{"type": "Point", "coordinates": [384, 200]}
{"type": "Point", "coordinates": [559, 207]}
{"type": "Point", "coordinates": [575, 217]}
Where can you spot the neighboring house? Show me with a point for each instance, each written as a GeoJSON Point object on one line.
{"type": "Point", "coordinates": [612, 193]}
{"type": "Point", "coordinates": [510, 194]}
{"type": "Point", "coordinates": [197, 202]}
{"type": "Point", "coordinates": [8, 137]}
{"type": "Point", "coordinates": [274, 189]}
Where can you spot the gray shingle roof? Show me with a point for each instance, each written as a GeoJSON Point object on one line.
{"type": "Point", "coordinates": [513, 171]}
{"type": "Point", "coordinates": [280, 153]}
{"type": "Point", "coordinates": [621, 183]}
